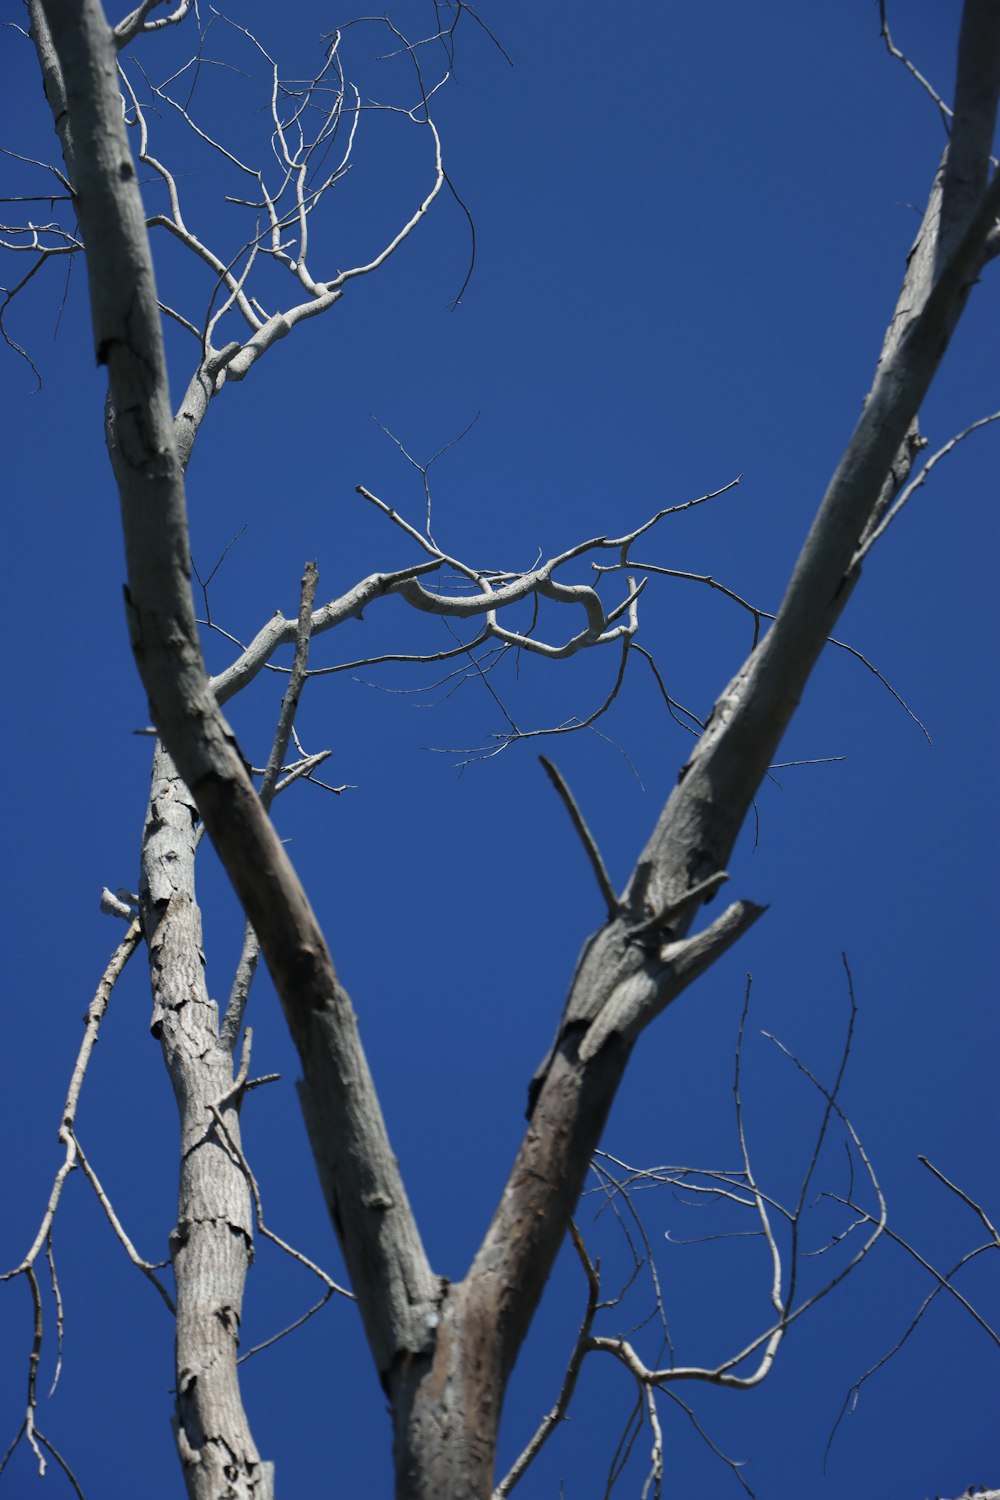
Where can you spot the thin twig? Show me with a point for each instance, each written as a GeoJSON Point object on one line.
{"type": "Point", "coordinates": [977, 1208]}
{"type": "Point", "coordinates": [917, 483]}
{"type": "Point", "coordinates": [893, 50]}
{"type": "Point", "coordinates": [275, 1239]}
{"type": "Point", "coordinates": [557, 1414]}
{"type": "Point", "coordinates": [586, 837]}
{"type": "Point", "coordinates": [250, 953]}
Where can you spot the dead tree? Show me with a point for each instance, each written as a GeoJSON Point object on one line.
{"type": "Point", "coordinates": [444, 1352]}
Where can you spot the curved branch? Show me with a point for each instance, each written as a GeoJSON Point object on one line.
{"type": "Point", "coordinates": [132, 25]}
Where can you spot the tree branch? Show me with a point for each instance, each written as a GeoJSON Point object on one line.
{"type": "Point", "coordinates": [614, 991]}
{"type": "Point", "coordinates": [390, 1275]}
{"type": "Point", "coordinates": [586, 837]}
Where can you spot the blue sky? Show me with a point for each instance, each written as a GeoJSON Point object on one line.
{"type": "Point", "coordinates": [690, 228]}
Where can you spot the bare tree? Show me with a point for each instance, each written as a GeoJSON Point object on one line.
{"type": "Point", "coordinates": [444, 1351]}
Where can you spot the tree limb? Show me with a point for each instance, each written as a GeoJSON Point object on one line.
{"type": "Point", "coordinates": [591, 850]}
{"type": "Point", "coordinates": [697, 829]}
{"type": "Point", "coordinates": [390, 1275]}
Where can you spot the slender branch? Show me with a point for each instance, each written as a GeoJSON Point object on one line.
{"type": "Point", "coordinates": [943, 1284]}
{"type": "Point", "coordinates": [73, 1157]}
{"type": "Point", "coordinates": [586, 837]}
{"type": "Point", "coordinates": [558, 1413]}
{"type": "Point", "coordinates": [759, 615]}
{"type": "Point", "coordinates": [96, 1011]}
{"type": "Point", "coordinates": [777, 1299]}
{"type": "Point", "coordinates": [246, 968]}
{"type": "Point", "coordinates": [943, 1279]}
{"type": "Point", "coordinates": [275, 1239]}
{"type": "Point", "coordinates": [952, 1187]}
{"type": "Point", "coordinates": [893, 51]}
{"type": "Point", "coordinates": [918, 483]}
{"type": "Point", "coordinates": [147, 1268]}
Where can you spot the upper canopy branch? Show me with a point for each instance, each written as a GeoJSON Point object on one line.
{"type": "Point", "coordinates": [308, 120]}
{"type": "Point", "coordinates": [287, 205]}
{"type": "Point", "coordinates": [494, 591]}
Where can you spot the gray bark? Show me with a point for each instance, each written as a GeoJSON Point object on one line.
{"type": "Point", "coordinates": [445, 1353]}
{"type": "Point", "coordinates": [212, 1244]}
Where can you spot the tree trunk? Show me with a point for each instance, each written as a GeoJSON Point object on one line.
{"type": "Point", "coordinates": [212, 1244]}
{"type": "Point", "coordinates": [446, 1409]}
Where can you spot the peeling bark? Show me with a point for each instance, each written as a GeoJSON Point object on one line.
{"type": "Point", "coordinates": [212, 1244]}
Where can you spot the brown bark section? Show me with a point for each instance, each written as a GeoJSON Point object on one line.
{"type": "Point", "coordinates": [446, 1407]}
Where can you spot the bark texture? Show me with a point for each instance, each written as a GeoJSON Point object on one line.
{"type": "Point", "coordinates": [212, 1244]}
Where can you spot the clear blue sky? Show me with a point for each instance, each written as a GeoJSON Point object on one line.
{"type": "Point", "coordinates": [691, 223]}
